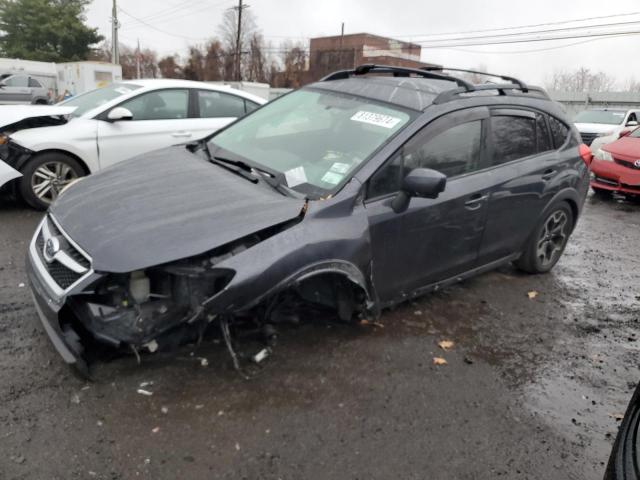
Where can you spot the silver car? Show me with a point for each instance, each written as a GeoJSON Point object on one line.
{"type": "Point", "coordinates": [21, 88]}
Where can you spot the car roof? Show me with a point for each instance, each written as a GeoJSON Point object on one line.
{"type": "Point", "coordinates": [158, 83]}
{"type": "Point", "coordinates": [415, 93]}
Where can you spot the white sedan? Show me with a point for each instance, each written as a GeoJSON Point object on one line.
{"type": "Point", "coordinates": [53, 145]}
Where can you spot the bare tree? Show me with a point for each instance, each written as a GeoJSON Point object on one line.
{"type": "Point", "coordinates": [256, 61]}
{"type": "Point", "coordinates": [170, 67]}
{"type": "Point", "coordinates": [294, 64]}
{"type": "Point", "coordinates": [195, 65]}
{"type": "Point", "coordinates": [632, 85]}
{"type": "Point", "coordinates": [580, 80]}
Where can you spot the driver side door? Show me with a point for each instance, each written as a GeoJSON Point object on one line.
{"type": "Point", "coordinates": [433, 239]}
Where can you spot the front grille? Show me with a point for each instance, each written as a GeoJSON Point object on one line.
{"type": "Point", "coordinates": [61, 274]}
{"type": "Point", "coordinates": [626, 164]}
{"type": "Point", "coordinates": [587, 138]}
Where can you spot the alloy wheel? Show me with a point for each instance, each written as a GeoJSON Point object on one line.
{"type": "Point", "coordinates": [50, 178]}
{"type": "Point", "coordinates": [553, 238]}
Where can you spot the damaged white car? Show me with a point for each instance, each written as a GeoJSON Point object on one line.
{"type": "Point", "coordinates": [51, 146]}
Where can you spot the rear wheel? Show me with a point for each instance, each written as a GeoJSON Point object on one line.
{"type": "Point", "coordinates": [546, 245]}
{"type": "Point", "coordinates": [44, 177]}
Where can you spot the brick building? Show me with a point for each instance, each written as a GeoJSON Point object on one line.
{"type": "Point", "coordinates": [328, 54]}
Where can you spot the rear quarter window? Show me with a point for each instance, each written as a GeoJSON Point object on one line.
{"type": "Point", "coordinates": [559, 131]}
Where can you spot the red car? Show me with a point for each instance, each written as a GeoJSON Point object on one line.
{"type": "Point", "coordinates": [616, 166]}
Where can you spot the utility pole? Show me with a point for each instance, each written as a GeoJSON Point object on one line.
{"type": "Point", "coordinates": [341, 44]}
{"type": "Point", "coordinates": [115, 55]}
{"type": "Point", "coordinates": [239, 8]}
{"type": "Point", "coordinates": [138, 61]}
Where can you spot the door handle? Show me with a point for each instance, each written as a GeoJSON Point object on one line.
{"type": "Point", "coordinates": [181, 134]}
{"type": "Point", "coordinates": [548, 174]}
{"type": "Point", "coordinates": [475, 201]}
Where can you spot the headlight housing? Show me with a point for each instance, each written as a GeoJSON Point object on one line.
{"type": "Point", "coordinates": [603, 155]}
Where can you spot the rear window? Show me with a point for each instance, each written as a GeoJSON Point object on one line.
{"type": "Point", "coordinates": [512, 138]}
{"type": "Point", "coordinates": [559, 131]}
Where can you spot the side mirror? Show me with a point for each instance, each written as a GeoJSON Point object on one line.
{"type": "Point", "coordinates": [624, 133]}
{"type": "Point", "coordinates": [632, 123]}
{"type": "Point", "coordinates": [420, 182]}
{"type": "Point", "coordinates": [119, 113]}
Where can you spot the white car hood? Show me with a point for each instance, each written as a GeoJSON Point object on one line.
{"type": "Point", "coordinates": [12, 114]}
{"type": "Point", "coordinates": [597, 127]}
{"type": "Point", "coordinates": [7, 173]}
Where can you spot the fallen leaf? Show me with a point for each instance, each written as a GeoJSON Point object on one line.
{"type": "Point", "coordinates": [439, 361]}
{"type": "Point", "coordinates": [532, 294]}
{"type": "Point", "coordinates": [446, 345]}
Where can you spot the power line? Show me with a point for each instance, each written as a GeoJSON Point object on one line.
{"type": "Point", "coordinates": [159, 29]}
{"type": "Point", "coordinates": [561, 22]}
{"type": "Point", "coordinates": [171, 16]}
{"type": "Point", "coordinates": [534, 32]}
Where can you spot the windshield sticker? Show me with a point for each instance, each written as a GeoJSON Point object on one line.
{"type": "Point", "coordinates": [332, 178]}
{"type": "Point", "coordinates": [122, 90]}
{"type": "Point", "coordinates": [340, 168]}
{"type": "Point", "coordinates": [377, 119]}
{"type": "Point", "coordinates": [618, 114]}
{"type": "Point", "coordinates": [295, 176]}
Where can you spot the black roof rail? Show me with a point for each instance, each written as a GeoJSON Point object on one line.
{"type": "Point", "coordinates": [398, 71]}
{"type": "Point", "coordinates": [523, 86]}
{"type": "Point", "coordinates": [502, 88]}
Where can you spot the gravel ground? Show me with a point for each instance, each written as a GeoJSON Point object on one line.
{"type": "Point", "coordinates": [531, 389]}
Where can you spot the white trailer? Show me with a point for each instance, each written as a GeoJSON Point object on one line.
{"type": "Point", "coordinates": [75, 78]}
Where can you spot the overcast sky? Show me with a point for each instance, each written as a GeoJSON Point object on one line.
{"type": "Point", "coordinates": [413, 20]}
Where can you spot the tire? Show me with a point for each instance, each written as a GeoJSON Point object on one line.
{"type": "Point", "coordinates": [601, 192]}
{"type": "Point", "coordinates": [545, 247]}
{"type": "Point", "coordinates": [45, 175]}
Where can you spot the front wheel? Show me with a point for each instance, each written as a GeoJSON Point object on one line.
{"type": "Point", "coordinates": [45, 176]}
{"type": "Point", "coordinates": [546, 245]}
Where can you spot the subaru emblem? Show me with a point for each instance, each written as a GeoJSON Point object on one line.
{"type": "Point", "coordinates": [637, 163]}
{"type": "Point", "coordinates": [51, 248]}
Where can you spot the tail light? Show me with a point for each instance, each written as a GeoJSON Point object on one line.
{"type": "Point", "coordinates": [585, 154]}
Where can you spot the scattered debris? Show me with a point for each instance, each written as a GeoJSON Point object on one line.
{"type": "Point", "coordinates": [410, 323]}
{"type": "Point", "coordinates": [220, 413]}
{"type": "Point", "coordinates": [532, 294]}
{"type": "Point", "coordinates": [199, 407]}
{"type": "Point", "coordinates": [617, 416]}
{"type": "Point", "coordinates": [204, 362]}
{"type": "Point", "coordinates": [237, 446]}
{"type": "Point", "coordinates": [439, 361]}
{"type": "Point", "coordinates": [145, 392]}
{"type": "Point", "coordinates": [18, 459]}
{"type": "Point", "coordinates": [364, 321]}
{"type": "Point", "coordinates": [446, 345]}
{"type": "Point", "coordinates": [21, 285]}
{"type": "Point", "coordinates": [75, 398]}
{"type": "Point", "coordinates": [152, 346]}
{"type": "Point", "coordinates": [261, 355]}
{"type": "Point", "coordinates": [155, 430]}
{"type": "Point", "coordinates": [418, 312]}
{"type": "Point", "coordinates": [468, 361]}
{"type": "Point", "coordinates": [99, 423]}
{"type": "Point", "coordinates": [164, 410]}
{"type": "Point", "coordinates": [146, 384]}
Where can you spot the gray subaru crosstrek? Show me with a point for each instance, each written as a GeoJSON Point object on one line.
{"type": "Point", "coordinates": [351, 194]}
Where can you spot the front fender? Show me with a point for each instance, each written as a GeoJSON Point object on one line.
{"type": "Point", "coordinates": [322, 243]}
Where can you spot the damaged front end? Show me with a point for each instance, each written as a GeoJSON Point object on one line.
{"type": "Point", "coordinates": [88, 313]}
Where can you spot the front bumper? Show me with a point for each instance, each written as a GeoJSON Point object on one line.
{"type": "Point", "coordinates": [615, 177]}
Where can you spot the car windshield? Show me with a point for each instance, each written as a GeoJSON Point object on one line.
{"type": "Point", "coordinates": [95, 98]}
{"type": "Point", "coordinates": [608, 117]}
{"type": "Point", "coordinates": [635, 133]}
{"type": "Point", "coordinates": [315, 138]}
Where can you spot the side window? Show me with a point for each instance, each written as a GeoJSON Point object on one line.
{"type": "Point", "coordinates": [220, 105]}
{"type": "Point", "coordinates": [454, 152]}
{"type": "Point", "coordinates": [632, 117]}
{"type": "Point", "coordinates": [559, 132]}
{"type": "Point", "coordinates": [159, 105]}
{"type": "Point", "coordinates": [250, 106]}
{"type": "Point", "coordinates": [16, 81]}
{"type": "Point", "coordinates": [512, 138]}
{"type": "Point", "coordinates": [542, 134]}
{"type": "Point", "coordinates": [34, 83]}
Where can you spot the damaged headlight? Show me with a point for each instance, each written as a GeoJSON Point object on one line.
{"type": "Point", "coordinates": [603, 155]}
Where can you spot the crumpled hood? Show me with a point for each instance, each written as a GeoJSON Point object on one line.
{"type": "Point", "coordinates": [12, 115]}
{"type": "Point", "coordinates": [165, 206]}
{"type": "Point", "coordinates": [627, 148]}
